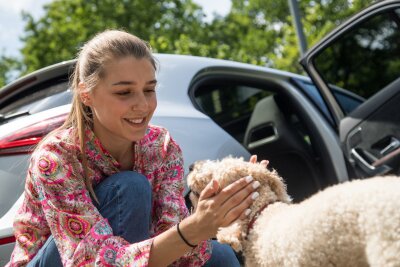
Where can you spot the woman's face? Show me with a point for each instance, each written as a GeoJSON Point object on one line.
{"type": "Point", "coordinates": [124, 100]}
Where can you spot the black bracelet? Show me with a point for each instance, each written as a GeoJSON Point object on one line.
{"type": "Point", "coordinates": [184, 239]}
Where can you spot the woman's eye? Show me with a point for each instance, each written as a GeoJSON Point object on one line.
{"type": "Point", "coordinates": [150, 90]}
{"type": "Point", "coordinates": [122, 93]}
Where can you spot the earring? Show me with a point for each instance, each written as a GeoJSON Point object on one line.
{"type": "Point", "coordinates": [84, 99]}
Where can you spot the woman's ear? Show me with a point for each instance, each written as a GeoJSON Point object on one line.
{"type": "Point", "coordinates": [84, 95]}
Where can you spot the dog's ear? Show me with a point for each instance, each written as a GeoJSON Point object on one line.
{"type": "Point", "coordinates": [278, 186]}
{"type": "Point", "coordinates": [199, 176]}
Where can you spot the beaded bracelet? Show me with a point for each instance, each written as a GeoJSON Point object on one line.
{"type": "Point", "coordinates": [183, 238]}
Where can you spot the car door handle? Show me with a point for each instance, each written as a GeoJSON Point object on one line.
{"type": "Point", "coordinates": [393, 145]}
{"type": "Point", "coordinates": [386, 158]}
{"type": "Point", "coordinates": [367, 167]}
{"type": "Point", "coordinates": [261, 135]}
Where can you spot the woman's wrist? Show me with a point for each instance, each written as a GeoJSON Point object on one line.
{"type": "Point", "coordinates": [183, 237]}
{"type": "Point", "coordinates": [191, 231]}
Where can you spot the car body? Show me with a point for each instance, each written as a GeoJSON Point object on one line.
{"type": "Point", "coordinates": [312, 131]}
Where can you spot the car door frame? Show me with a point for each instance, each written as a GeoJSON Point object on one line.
{"type": "Point", "coordinates": [331, 162]}
{"type": "Point", "coordinates": [345, 126]}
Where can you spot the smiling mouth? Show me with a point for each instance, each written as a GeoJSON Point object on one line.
{"type": "Point", "coordinates": [135, 121]}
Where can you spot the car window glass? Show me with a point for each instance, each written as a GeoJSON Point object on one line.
{"type": "Point", "coordinates": [229, 105]}
{"type": "Point", "coordinates": [46, 97]}
{"type": "Point", "coordinates": [347, 100]}
{"type": "Point", "coordinates": [312, 93]}
{"type": "Point", "coordinates": [365, 59]}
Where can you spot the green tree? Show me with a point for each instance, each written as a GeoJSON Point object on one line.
{"type": "Point", "coordinates": [254, 31]}
{"type": "Point", "coordinates": [9, 68]}
{"type": "Point", "coordinates": [262, 32]}
{"type": "Point", "coordinates": [67, 24]}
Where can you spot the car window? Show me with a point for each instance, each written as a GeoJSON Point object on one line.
{"type": "Point", "coordinates": [363, 60]}
{"type": "Point", "coordinates": [229, 105]}
{"type": "Point", "coordinates": [311, 91]}
{"type": "Point", "coordinates": [346, 99]}
{"type": "Point", "coordinates": [38, 99]}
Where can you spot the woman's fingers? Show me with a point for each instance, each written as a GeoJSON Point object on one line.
{"type": "Point", "coordinates": [241, 211]}
{"type": "Point", "coordinates": [245, 214]}
{"type": "Point", "coordinates": [232, 189]}
{"type": "Point", "coordinates": [211, 189]}
{"type": "Point", "coordinates": [264, 163]}
{"type": "Point", "coordinates": [253, 159]}
{"type": "Point", "coordinates": [235, 205]}
{"type": "Point", "coordinates": [219, 207]}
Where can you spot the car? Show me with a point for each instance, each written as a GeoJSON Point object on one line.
{"type": "Point", "coordinates": [342, 122]}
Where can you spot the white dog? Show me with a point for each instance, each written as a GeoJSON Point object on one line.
{"type": "Point", "coordinates": [351, 224]}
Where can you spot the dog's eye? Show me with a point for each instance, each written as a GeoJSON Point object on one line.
{"type": "Point", "coordinates": [191, 166]}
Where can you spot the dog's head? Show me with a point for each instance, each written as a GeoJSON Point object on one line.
{"type": "Point", "coordinates": [228, 170]}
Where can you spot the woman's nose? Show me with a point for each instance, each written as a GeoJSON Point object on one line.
{"type": "Point", "coordinates": [139, 102]}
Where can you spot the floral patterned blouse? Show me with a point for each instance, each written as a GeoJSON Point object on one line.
{"type": "Point", "coordinates": [58, 203]}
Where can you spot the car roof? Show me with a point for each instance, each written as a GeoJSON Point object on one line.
{"type": "Point", "coordinates": [180, 63]}
{"type": "Point", "coordinates": [174, 73]}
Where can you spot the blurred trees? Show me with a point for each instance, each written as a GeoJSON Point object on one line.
{"type": "Point", "coordinates": [254, 31]}
{"type": "Point", "coordinates": [9, 68]}
{"type": "Point", "coordinates": [67, 24]}
{"type": "Point", "coordinates": [267, 34]}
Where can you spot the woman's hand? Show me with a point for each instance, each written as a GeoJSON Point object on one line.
{"type": "Point", "coordinates": [218, 207]}
{"type": "Point", "coordinates": [195, 199]}
{"type": "Point", "coordinates": [253, 159]}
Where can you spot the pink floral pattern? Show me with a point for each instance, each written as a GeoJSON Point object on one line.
{"type": "Point", "coordinates": [57, 202]}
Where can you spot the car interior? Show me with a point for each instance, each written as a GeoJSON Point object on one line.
{"type": "Point", "coordinates": [264, 117]}
{"type": "Point", "coordinates": [267, 124]}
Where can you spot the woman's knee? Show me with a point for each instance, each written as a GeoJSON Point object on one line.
{"type": "Point", "coordinates": [125, 188]}
{"type": "Point", "coordinates": [127, 182]}
{"type": "Point", "coordinates": [125, 200]}
{"type": "Point", "coordinates": [129, 178]}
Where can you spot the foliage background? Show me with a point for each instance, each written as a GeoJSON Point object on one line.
{"type": "Point", "coordinates": [254, 31]}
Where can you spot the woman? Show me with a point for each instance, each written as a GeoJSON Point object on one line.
{"type": "Point", "coordinates": [106, 187]}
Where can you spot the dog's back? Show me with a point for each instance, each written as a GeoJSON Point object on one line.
{"type": "Point", "coordinates": [351, 224]}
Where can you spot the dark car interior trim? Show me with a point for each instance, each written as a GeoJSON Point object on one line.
{"type": "Point", "coordinates": [300, 163]}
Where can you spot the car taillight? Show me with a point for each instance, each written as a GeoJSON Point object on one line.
{"type": "Point", "coordinates": [24, 140]}
{"type": "Point", "coordinates": [7, 240]}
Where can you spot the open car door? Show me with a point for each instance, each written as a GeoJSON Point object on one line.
{"type": "Point", "coordinates": [363, 56]}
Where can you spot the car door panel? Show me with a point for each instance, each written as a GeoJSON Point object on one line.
{"type": "Point", "coordinates": [370, 134]}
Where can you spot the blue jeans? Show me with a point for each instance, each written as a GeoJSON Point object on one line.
{"type": "Point", "coordinates": [119, 193]}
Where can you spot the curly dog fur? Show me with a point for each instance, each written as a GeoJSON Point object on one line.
{"type": "Point", "coordinates": [351, 224]}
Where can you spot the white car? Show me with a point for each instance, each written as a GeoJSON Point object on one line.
{"type": "Point", "coordinates": [312, 131]}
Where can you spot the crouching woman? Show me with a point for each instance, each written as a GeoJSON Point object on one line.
{"type": "Point", "coordinates": [106, 187]}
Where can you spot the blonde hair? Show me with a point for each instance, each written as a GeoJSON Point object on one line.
{"type": "Point", "coordinates": [89, 69]}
